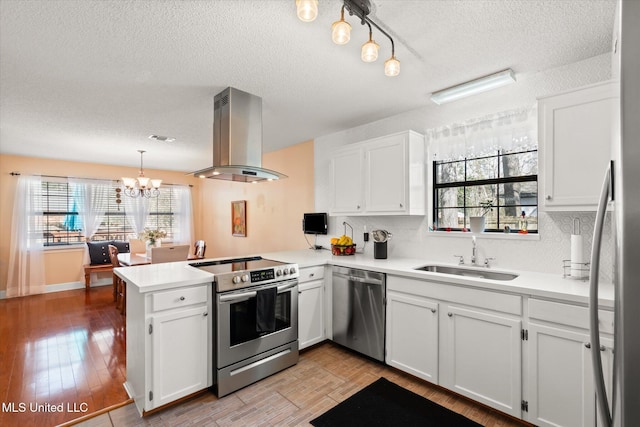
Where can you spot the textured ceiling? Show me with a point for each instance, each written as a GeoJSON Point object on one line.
{"type": "Point", "coordinates": [91, 80]}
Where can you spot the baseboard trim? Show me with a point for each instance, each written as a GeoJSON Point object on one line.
{"type": "Point", "coordinates": [96, 414]}
{"type": "Point", "coordinates": [69, 286]}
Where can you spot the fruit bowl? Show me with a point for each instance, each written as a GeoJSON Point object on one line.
{"type": "Point", "coordinates": [341, 250]}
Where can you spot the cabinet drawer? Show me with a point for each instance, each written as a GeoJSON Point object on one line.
{"type": "Point", "coordinates": [570, 315]}
{"type": "Point", "coordinates": [479, 298]}
{"type": "Point", "coordinates": [311, 273]}
{"type": "Point", "coordinates": [179, 297]}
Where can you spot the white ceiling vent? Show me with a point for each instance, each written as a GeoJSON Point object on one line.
{"type": "Point", "coordinates": [161, 138]}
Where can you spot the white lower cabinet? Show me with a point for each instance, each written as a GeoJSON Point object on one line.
{"type": "Point", "coordinates": [412, 335]}
{"type": "Point", "coordinates": [534, 364]}
{"type": "Point", "coordinates": [311, 325]}
{"type": "Point", "coordinates": [481, 356]}
{"type": "Point", "coordinates": [169, 344]}
{"type": "Point", "coordinates": [179, 341]}
{"type": "Point", "coordinates": [467, 340]}
{"type": "Point", "coordinates": [561, 386]}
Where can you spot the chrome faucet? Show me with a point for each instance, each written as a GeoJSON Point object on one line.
{"type": "Point", "coordinates": [473, 251]}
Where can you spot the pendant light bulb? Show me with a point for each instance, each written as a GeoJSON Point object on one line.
{"type": "Point", "coordinates": [341, 30]}
{"type": "Point", "coordinates": [370, 51]}
{"type": "Point", "coordinates": [307, 10]}
{"type": "Point", "coordinates": [391, 67]}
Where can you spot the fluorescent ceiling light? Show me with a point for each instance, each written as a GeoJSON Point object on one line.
{"type": "Point", "coordinates": [473, 87]}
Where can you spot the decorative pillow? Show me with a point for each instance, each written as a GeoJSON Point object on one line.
{"type": "Point", "coordinates": [123, 247]}
{"type": "Point", "coordinates": [99, 253]}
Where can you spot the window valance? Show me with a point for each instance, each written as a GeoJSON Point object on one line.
{"type": "Point", "coordinates": [508, 131]}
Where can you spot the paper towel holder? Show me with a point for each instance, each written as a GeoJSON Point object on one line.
{"type": "Point", "coordinates": [576, 220]}
{"type": "Point", "coordinates": [583, 267]}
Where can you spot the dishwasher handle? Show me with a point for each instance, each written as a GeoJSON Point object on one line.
{"type": "Point", "coordinates": [370, 278]}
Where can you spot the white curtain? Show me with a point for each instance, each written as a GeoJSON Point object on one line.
{"type": "Point", "coordinates": [91, 197]}
{"type": "Point", "coordinates": [26, 259]}
{"type": "Point", "coordinates": [183, 216]}
{"type": "Point", "coordinates": [515, 130]}
{"type": "Point", "coordinates": [137, 209]}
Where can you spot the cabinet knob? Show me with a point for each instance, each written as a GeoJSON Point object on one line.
{"type": "Point", "coordinates": [450, 314]}
{"type": "Point", "coordinates": [358, 207]}
{"type": "Point", "coordinates": [548, 197]}
{"type": "Point", "coordinates": [587, 344]}
{"type": "Point", "coordinates": [602, 348]}
{"type": "Point", "coordinates": [312, 274]}
{"type": "Point", "coordinates": [181, 298]}
{"type": "Point", "coordinates": [205, 314]}
{"type": "Point", "coordinates": [433, 310]}
{"type": "Point", "coordinates": [400, 204]}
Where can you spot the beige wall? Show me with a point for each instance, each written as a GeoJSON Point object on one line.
{"type": "Point", "coordinates": [274, 209]}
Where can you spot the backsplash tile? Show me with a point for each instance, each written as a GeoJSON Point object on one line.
{"type": "Point", "coordinates": [411, 238]}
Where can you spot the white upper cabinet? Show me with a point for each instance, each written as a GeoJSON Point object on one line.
{"type": "Point", "coordinates": [380, 176]}
{"type": "Point", "coordinates": [575, 131]}
{"type": "Point", "coordinates": [347, 173]}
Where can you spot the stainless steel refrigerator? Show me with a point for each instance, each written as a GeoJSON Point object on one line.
{"type": "Point", "coordinates": [622, 187]}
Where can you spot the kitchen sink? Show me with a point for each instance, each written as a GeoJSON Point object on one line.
{"type": "Point", "coordinates": [468, 272]}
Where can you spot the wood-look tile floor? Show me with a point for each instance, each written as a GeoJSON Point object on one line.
{"type": "Point", "coordinates": [324, 376]}
{"type": "Point", "coordinates": [63, 348]}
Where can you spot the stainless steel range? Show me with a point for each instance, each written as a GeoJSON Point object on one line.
{"type": "Point", "coordinates": [256, 322]}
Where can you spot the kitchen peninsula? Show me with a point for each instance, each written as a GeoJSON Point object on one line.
{"type": "Point", "coordinates": [507, 328]}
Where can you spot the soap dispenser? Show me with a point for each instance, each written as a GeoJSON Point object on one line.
{"type": "Point", "coordinates": [523, 224]}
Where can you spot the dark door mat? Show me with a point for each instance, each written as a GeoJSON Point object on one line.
{"type": "Point", "coordinates": [384, 403]}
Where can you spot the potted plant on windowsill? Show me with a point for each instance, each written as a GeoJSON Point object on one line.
{"type": "Point", "coordinates": [477, 223]}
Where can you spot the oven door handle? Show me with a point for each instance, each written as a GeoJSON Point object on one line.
{"type": "Point", "coordinates": [236, 297]}
{"type": "Point", "coordinates": [287, 287]}
{"type": "Point", "coordinates": [252, 294]}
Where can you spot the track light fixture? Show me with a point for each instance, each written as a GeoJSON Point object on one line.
{"type": "Point", "coordinates": [341, 32]}
{"type": "Point", "coordinates": [370, 48]}
{"type": "Point", "coordinates": [307, 10]}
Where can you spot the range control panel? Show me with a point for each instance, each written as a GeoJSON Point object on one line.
{"type": "Point", "coordinates": [243, 279]}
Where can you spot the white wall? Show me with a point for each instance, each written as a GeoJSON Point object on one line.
{"type": "Point", "coordinates": [411, 237]}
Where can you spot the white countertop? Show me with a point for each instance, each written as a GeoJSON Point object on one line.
{"type": "Point", "coordinates": [168, 275]}
{"type": "Point", "coordinates": [154, 277]}
{"type": "Point", "coordinates": [528, 283]}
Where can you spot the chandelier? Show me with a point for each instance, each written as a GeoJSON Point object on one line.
{"type": "Point", "coordinates": [139, 187]}
{"type": "Point", "coordinates": [307, 11]}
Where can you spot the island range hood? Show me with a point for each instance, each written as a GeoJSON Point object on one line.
{"type": "Point", "coordinates": [237, 139]}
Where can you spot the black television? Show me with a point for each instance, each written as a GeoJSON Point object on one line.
{"type": "Point", "coordinates": [314, 223]}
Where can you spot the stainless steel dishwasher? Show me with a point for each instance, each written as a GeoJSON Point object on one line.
{"type": "Point", "coordinates": [359, 310]}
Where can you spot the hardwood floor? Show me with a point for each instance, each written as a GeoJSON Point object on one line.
{"type": "Point", "coordinates": [68, 348]}
{"type": "Point", "coordinates": [62, 350]}
{"type": "Point", "coordinates": [324, 376]}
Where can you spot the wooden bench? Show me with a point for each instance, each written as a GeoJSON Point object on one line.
{"type": "Point", "coordinates": [98, 268]}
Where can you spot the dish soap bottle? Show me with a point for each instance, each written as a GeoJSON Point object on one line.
{"type": "Point", "coordinates": [523, 224]}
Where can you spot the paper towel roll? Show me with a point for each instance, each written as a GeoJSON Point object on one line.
{"type": "Point", "coordinates": [577, 257]}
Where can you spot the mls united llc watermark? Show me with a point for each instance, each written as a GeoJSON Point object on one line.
{"type": "Point", "coordinates": [21, 407]}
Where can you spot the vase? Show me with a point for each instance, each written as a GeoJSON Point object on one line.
{"type": "Point", "coordinates": [150, 245]}
{"type": "Point", "coordinates": [476, 223]}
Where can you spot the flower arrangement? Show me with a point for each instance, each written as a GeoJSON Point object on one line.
{"type": "Point", "coordinates": [152, 235]}
{"type": "Point", "coordinates": [486, 207]}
